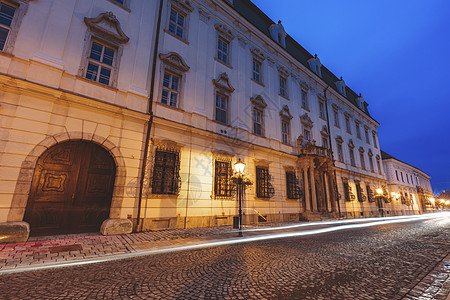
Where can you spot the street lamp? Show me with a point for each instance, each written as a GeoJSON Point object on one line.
{"type": "Point", "coordinates": [239, 167]}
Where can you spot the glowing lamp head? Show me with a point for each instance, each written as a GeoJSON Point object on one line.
{"type": "Point", "coordinates": [239, 167]}
{"type": "Point", "coordinates": [379, 191]}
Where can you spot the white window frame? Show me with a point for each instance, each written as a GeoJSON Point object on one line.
{"type": "Point", "coordinates": [184, 9]}
{"type": "Point", "coordinates": [304, 99]}
{"type": "Point", "coordinates": [99, 63]}
{"type": "Point", "coordinates": [169, 89]}
{"type": "Point", "coordinates": [283, 85]}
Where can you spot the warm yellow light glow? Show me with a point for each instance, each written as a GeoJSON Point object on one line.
{"type": "Point", "coordinates": [379, 191]}
{"type": "Point", "coordinates": [239, 166]}
{"type": "Point", "coordinates": [447, 202]}
{"type": "Point", "coordinates": [432, 200]}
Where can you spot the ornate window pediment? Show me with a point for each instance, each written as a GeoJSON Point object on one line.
{"type": "Point", "coordinates": [335, 107]}
{"type": "Point", "coordinates": [223, 83]}
{"type": "Point", "coordinates": [258, 101]}
{"type": "Point", "coordinates": [324, 131]}
{"type": "Point", "coordinates": [224, 32]}
{"type": "Point", "coordinates": [377, 157]}
{"type": "Point", "coordinates": [185, 6]}
{"type": "Point", "coordinates": [350, 144]}
{"type": "Point", "coordinates": [370, 153]}
{"type": "Point", "coordinates": [258, 54]}
{"type": "Point", "coordinates": [106, 25]}
{"type": "Point", "coordinates": [306, 120]}
{"type": "Point", "coordinates": [339, 139]}
{"type": "Point", "coordinates": [304, 86]}
{"type": "Point", "coordinates": [285, 114]}
{"type": "Point", "coordinates": [361, 149]}
{"type": "Point", "coordinates": [175, 61]}
{"type": "Point", "coordinates": [283, 71]}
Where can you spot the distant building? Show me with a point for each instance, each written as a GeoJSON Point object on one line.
{"type": "Point", "coordinates": [132, 113]}
{"type": "Point", "coordinates": [410, 187]}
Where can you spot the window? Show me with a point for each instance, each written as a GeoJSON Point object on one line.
{"type": "Point", "coordinates": [358, 131]}
{"type": "Point", "coordinates": [340, 152]}
{"type": "Point", "coordinates": [257, 121]}
{"type": "Point", "coordinates": [347, 124]}
{"type": "Point", "coordinates": [223, 50]}
{"type": "Point", "coordinates": [305, 100]}
{"type": "Point", "coordinates": [336, 118]}
{"type": "Point", "coordinates": [257, 71]}
{"type": "Point", "coordinates": [379, 166]}
{"type": "Point", "coordinates": [6, 17]}
{"type": "Point", "coordinates": [285, 132]}
{"type": "Point", "coordinates": [171, 89]}
{"type": "Point", "coordinates": [222, 174]}
{"type": "Point", "coordinates": [166, 173]}
{"type": "Point", "coordinates": [307, 134]}
{"type": "Point", "coordinates": [396, 174]}
{"type": "Point", "coordinates": [366, 132]}
{"type": "Point", "coordinates": [262, 182]}
{"type": "Point", "coordinates": [371, 163]}
{"type": "Point", "coordinates": [177, 23]}
{"type": "Point", "coordinates": [401, 174]}
{"type": "Point", "coordinates": [374, 141]}
{"type": "Point", "coordinates": [291, 185]}
{"type": "Point", "coordinates": [221, 108]}
{"type": "Point", "coordinates": [352, 157]}
{"type": "Point", "coordinates": [347, 191]}
{"type": "Point", "coordinates": [369, 193]}
{"type": "Point", "coordinates": [407, 179]}
{"type": "Point", "coordinates": [100, 62]}
{"type": "Point", "coordinates": [363, 163]}
{"type": "Point", "coordinates": [122, 2]}
{"type": "Point", "coordinates": [322, 110]}
{"type": "Point", "coordinates": [325, 142]}
{"type": "Point", "coordinates": [283, 86]}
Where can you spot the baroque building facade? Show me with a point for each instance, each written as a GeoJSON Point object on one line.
{"type": "Point", "coordinates": [121, 114]}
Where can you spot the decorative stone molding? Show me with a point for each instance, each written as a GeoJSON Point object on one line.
{"type": "Point", "coordinates": [347, 115]}
{"type": "Point", "coordinates": [278, 33]}
{"type": "Point", "coordinates": [175, 61]}
{"type": "Point", "coordinates": [185, 6]}
{"type": "Point", "coordinates": [283, 71]}
{"type": "Point", "coordinates": [224, 32]}
{"type": "Point", "coordinates": [377, 157]}
{"type": "Point", "coordinates": [324, 131]}
{"type": "Point", "coordinates": [271, 61]}
{"type": "Point", "coordinates": [339, 139]}
{"type": "Point", "coordinates": [258, 101]}
{"type": "Point", "coordinates": [335, 106]}
{"type": "Point", "coordinates": [306, 120]}
{"type": "Point", "coordinates": [242, 41]}
{"type": "Point", "coordinates": [262, 162]}
{"type": "Point", "coordinates": [304, 85]}
{"type": "Point", "coordinates": [222, 155]}
{"type": "Point", "coordinates": [350, 144]}
{"type": "Point", "coordinates": [285, 114]}
{"type": "Point", "coordinates": [366, 127]}
{"type": "Point", "coordinates": [103, 24]}
{"type": "Point", "coordinates": [223, 83]}
{"type": "Point", "coordinates": [204, 16]}
{"type": "Point", "coordinates": [374, 132]}
{"type": "Point", "coordinates": [361, 149]}
{"type": "Point", "coordinates": [166, 144]}
{"type": "Point", "coordinates": [258, 54]}
{"type": "Point", "coordinates": [370, 153]}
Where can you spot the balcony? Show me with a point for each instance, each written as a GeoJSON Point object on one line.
{"type": "Point", "coordinates": [310, 149]}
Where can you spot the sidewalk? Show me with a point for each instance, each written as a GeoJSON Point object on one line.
{"type": "Point", "coordinates": [61, 249]}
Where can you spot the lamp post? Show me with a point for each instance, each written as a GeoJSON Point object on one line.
{"type": "Point", "coordinates": [239, 167]}
{"type": "Point", "coordinates": [379, 197]}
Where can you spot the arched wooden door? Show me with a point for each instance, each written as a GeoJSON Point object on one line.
{"type": "Point", "coordinates": [71, 190]}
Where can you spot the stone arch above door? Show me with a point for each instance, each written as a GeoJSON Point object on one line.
{"type": "Point", "coordinates": [23, 185]}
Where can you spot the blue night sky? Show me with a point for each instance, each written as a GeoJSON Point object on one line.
{"type": "Point", "coordinates": [397, 54]}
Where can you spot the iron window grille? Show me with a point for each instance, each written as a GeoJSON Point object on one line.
{"type": "Point", "coordinates": [6, 17]}
{"type": "Point", "coordinates": [222, 184]}
{"type": "Point", "coordinates": [348, 192]}
{"type": "Point", "coordinates": [100, 63]}
{"type": "Point", "coordinates": [166, 178]}
{"type": "Point", "coordinates": [264, 188]}
{"type": "Point", "coordinates": [292, 186]}
{"type": "Point", "coordinates": [359, 193]}
{"type": "Point", "coordinates": [370, 196]}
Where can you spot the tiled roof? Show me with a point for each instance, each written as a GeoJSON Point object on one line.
{"type": "Point", "coordinates": [260, 20]}
{"type": "Point", "coordinates": [385, 156]}
{"type": "Point", "coordinates": [444, 195]}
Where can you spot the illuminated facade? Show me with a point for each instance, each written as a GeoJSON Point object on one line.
{"type": "Point", "coordinates": [410, 187]}
{"type": "Point", "coordinates": [224, 83]}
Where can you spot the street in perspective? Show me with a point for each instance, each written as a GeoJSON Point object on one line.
{"type": "Point", "coordinates": [224, 149]}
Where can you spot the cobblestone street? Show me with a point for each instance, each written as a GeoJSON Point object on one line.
{"type": "Point", "coordinates": [387, 261]}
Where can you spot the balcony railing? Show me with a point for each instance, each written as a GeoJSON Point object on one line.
{"type": "Point", "coordinates": [310, 149]}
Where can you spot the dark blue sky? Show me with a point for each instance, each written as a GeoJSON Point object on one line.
{"type": "Point", "coordinates": [397, 54]}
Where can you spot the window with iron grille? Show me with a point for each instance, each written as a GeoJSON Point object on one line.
{"type": "Point", "coordinates": [171, 89]}
{"type": "Point", "coordinates": [262, 182]}
{"type": "Point", "coordinates": [359, 193]}
{"type": "Point", "coordinates": [291, 185]}
{"type": "Point", "coordinates": [346, 191]}
{"type": "Point", "coordinates": [6, 17]}
{"type": "Point", "coordinates": [369, 194]}
{"type": "Point", "coordinates": [222, 175]}
{"type": "Point", "coordinates": [166, 173]}
{"type": "Point", "coordinates": [177, 23]}
{"type": "Point", "coordinates": [100, 63]}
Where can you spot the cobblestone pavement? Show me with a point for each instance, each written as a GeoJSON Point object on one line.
{"type": "Point", "coordinates": [388, 261]}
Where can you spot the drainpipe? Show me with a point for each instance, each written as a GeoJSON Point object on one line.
{"type": "Point", "coordinates": [149, 124]}
{"type": "Point", "coordinates": [329, 140]}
